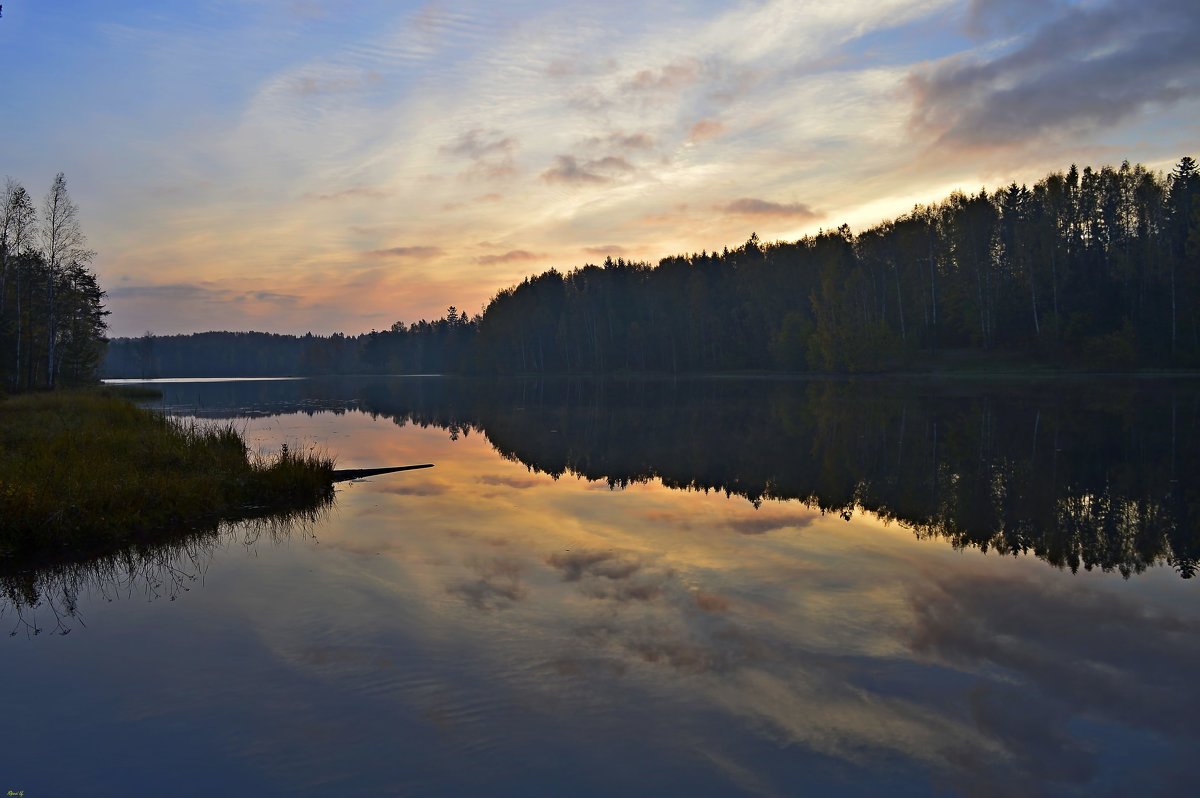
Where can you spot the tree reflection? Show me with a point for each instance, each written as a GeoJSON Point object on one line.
{"type": "Point", "coordinates": [1083, 473]}
{"type": "Point", "coordinates": [45, 599]}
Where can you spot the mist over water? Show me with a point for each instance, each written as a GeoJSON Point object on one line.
{"type": "Point", "coordinates": [708, 586]}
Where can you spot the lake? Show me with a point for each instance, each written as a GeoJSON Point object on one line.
{"type": "Point", "coordinates": [649, 587]}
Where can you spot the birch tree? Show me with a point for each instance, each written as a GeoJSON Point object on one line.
{"type": "Point", "coordinates": [62, 247]}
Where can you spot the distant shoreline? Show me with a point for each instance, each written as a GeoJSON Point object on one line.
{"type": "Point", "coordinates": [750, 375]}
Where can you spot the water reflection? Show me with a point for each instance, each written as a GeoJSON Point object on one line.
{"type": "Point", "coordinates": [501, 625]}
{"type": "Point", "coordinates": [1081, 473]}
{"type": "Point", "coordinates": [46, 597]}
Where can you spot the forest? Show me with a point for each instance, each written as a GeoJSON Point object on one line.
{"type": "Point", "coordinates": [52, 315]}
{"type": "Point", "coordinates": [1091, 269]}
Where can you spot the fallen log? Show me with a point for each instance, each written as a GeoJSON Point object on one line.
{"type": "Point", "coordinates": [347, 474]}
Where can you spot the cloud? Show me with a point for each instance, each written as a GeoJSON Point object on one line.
{"type": "Point", "coordinates": [705, 129]}
{"type": "Point", "coordinates": [193, 292]}
{"type": "Point", "coordinates": [749, 206]}
{"type": "Point", "coordinates": [512, 256]}
{"type": "Point", "coordinates": [1091, 65]}
{"type": "Point", "coordinates": [428, 489]}
{"type": "Point", "coordinates": [622, 141]}
{"type": "Point", "coordinates": [489, 151]}
{"type": "Point", "coordinates": [687, 642]}
{"type": "Point", "coordinates": [606, 249]}
{"type": "Point", "coordinates": [678, 74]}
{"type": "Point", "coordinates": [498, 585]}
{"type": "Point", "coordinates": [356, 192]}
{"type": "Point", "coordinates": [567, 169]}
{"type": "Point", "coordinates": [759, 525]}
{"type": "Point", "coordinates": [406, 252]}
{"type": "Point", "coordinates": [183, 292]}
{"type": "Point", "coordinates": [271, 296]}
{"type": "Point", "coordinates": [519, 483]}
{"type": "Point", "coordinates": [480, 143]}
{"type": "Point", "coordinates": [1049, 653]}
{"type": "Point", "coordinates": [577, 564]}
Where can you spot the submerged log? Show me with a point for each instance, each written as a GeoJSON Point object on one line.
{"type": "Point", "coordinates": [347, 474]}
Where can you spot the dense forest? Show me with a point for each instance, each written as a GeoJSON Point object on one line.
{"type": "Point", "coordinates": [51, 307]}
{"type": "Point", "coordinates": [1091, 269]}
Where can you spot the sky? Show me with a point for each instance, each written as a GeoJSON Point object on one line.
{"type": "Point", "coordinates": [339, 165]}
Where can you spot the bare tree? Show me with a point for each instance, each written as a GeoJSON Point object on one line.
{"type": "Point", "coordinates": [62, 246]}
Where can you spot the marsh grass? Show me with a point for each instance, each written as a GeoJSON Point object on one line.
{"type": "Point", "coordinates": [86, 472]}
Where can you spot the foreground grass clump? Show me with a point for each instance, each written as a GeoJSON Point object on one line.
{"type": "Point", "coordinates": [86, 471]}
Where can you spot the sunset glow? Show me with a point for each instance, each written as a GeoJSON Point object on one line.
{"type": "Point", "coordinates": [337, 166]}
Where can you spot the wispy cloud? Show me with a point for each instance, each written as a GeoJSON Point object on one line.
{"type": "Point", "coordinates": [489, 152]}
{"type": "Point", "coordinates": [674, 76]}
{"type": "Point", "coordinates": [568, 169]}
{"type": "Point", "coordinates": [622, 141]}
{"type": "Point", "coordinates": [406, 252]}
{"type": "Point", "coordinates": [353, 193]}
{"type": "Point", "coordinates": [512, 256]}
{"type": "Point", "coordinates": [749, 206]}
{"type": "Point", "coordinates": [479, 143]}
{"type": "Point", "coordinates": [606, 249]}
{"type": "Point", "coordinates": [517, 483]}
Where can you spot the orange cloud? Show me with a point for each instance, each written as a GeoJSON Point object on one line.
{"type": "Point", "coordinates": [704, 130]}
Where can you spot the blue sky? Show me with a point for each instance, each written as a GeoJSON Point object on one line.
{"type": "Point", "coordinates": [340, 165]}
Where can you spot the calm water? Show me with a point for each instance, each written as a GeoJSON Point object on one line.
{"type": "Point", "coordinates": [707, 587]}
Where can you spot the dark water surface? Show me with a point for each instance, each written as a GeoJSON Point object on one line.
{"type": "Point", "coordinates": [702, 587]}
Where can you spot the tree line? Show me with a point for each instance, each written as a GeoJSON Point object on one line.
{"type": "Point", "coordinates": [420, 348]}
{"type": "Point", "coordinates": [52, 316]}
{"type": "Point", "coordinates": [1098, 268]}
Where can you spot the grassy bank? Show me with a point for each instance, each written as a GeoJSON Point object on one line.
{"type": "Point", "coordinates": [84, 472]}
